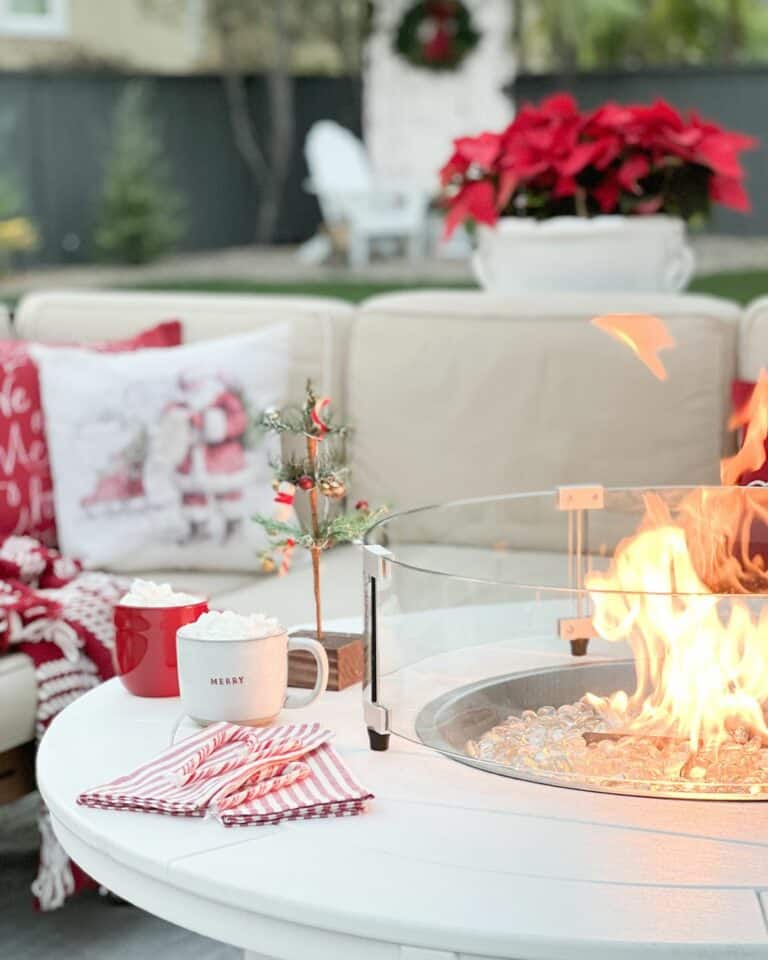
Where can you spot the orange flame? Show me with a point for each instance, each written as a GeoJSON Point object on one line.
{"type": "Point", "coordinates": [644, 334]}
{"type": "Point", "coordinates": [701, 658]}
{"type": "Point", "coordinates": [753, 415]}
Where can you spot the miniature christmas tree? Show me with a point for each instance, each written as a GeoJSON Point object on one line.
{"type": "Point", "coordinates": [321, 476]}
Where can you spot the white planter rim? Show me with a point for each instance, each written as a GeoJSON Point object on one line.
{"type": "Point", "coordinates": [577, 227]}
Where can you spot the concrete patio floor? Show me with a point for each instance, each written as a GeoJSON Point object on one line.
{"type": "Point", "coordinates": [88, 927]}
{"type": "Point", "coordinates": [714, 254]}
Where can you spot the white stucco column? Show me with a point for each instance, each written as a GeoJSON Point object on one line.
{"type": "Point", "coordinates": [411, 114]}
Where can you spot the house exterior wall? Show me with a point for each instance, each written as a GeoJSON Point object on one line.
{"type": "Point", "coordinates": [411, 114]}
{"type": "Point", "coordinates": [126, 34]}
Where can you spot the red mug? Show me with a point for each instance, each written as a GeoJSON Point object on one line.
{"type": "Point", "coordinates": [145, 646]}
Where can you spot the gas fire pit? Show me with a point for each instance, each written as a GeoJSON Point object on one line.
{"type": "Point", "coordinates": [609, 640]}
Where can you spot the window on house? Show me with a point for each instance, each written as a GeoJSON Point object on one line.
{"type": "Point", "coordinates": [34, 17]}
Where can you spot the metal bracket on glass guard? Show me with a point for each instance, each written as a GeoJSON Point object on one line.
{"type": "Point", "coordinates": [577, 501]}
{"type": "Point", "coordinates": [376, 717]}
{"type": "Point", "coordinates": [577, 630]}
{"type": "Point", "coordinates": [377, 571]}
{"type": "Point", "coordinates": [581, 497]}
{"type": "Point", "coordinates": [376, 561]}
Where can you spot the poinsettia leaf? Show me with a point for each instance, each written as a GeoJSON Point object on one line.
{"type": "Point", "coordinates": [631, 171]}
{"type": "Point", "coordinates": [607, 195]}
{"type": "Point", "coordinates": [579, 157]}
{"type": "Point", "coordinates": [730, 192]}
{"type": "Point", "coordinates": [482, 150]}
{"type": "Point", "coordinates": [508, 182]}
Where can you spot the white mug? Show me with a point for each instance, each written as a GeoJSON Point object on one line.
{"type": "Point", "coordinates": [242, 681]}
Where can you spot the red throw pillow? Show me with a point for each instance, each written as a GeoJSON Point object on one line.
{"type": "Point", "coordinates": [26, 486]}
{"type": "Point", "coordinates": [741, 391]}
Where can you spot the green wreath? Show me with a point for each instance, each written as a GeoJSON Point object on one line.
{"type": "Point", "coordinates": [436, 34]}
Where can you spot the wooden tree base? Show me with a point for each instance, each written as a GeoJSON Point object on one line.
{"type": "Point", "coordinates": [345, 660]}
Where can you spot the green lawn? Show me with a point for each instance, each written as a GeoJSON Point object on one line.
{"type": "Point", "coordinates": [351, 290]}
{"type": "Point", "coordinates": [744, 286]}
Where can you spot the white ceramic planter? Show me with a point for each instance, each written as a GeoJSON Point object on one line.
{"type": "Point", "coordinates": [570, 254]}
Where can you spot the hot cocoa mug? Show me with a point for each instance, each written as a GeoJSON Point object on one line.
{"type": "Point", "coordinates": [242, 680]}
{"type": "Point", "coordinates": [145, 645]}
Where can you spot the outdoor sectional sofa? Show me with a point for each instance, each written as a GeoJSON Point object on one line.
{"type": "Point", "coordinates": [452, 394]}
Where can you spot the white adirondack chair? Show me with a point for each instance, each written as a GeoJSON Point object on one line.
{"type": "Point", "coordinates": [349, 195]}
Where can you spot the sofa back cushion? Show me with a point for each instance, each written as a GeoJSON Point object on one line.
{"type": "Point", "coordinates": [753, 342]}
{"type": "Point", "coordinates": [465, 394]}
{"type": "Point", "coordinates": [319, 325]}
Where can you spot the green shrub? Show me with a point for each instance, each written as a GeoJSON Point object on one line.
{"type": "Point", "coordinates": [140, 215]}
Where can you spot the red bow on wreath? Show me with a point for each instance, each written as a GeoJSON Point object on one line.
{"type": "Point", "coordinates": [440, 46]}
{"type": "Point", "coordinates": [436, 34]}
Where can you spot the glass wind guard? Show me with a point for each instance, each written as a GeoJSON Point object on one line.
{"type": "Point", "coordinates": [485, 602]}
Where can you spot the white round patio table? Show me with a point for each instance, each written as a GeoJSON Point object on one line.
{"type": "Point", "coordinates": [448, 862]}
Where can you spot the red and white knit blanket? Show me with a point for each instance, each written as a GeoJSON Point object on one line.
{"type": "Point", "coordinates": [61, 618]}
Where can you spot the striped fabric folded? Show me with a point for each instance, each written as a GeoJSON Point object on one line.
{"type": "Point", "coordinates": [328, 789]}
{"type": "Point", "coordinates": [203, 770]}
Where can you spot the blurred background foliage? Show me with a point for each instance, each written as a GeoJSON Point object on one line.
{"type": "Point", "coordinates": [556, 36]}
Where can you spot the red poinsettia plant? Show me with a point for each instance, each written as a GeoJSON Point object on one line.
{"type": "Point", "coordinates": [556, 160]}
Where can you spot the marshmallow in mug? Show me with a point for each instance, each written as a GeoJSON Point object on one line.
{"type": "Point", "coordinates": [227, 625]}
{"type": "Point", "coordinates": [145, 593]}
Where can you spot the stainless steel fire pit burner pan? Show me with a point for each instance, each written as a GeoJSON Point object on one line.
{"type": "Point", "coordinates": [448, 722]}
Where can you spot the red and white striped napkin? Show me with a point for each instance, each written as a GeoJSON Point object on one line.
{"type": "Point", "coordinates": [328, 789]}
{"type": "Point", "coordinates": [221, 759]}
{"type": "Point", "coordinates": [240, 775]}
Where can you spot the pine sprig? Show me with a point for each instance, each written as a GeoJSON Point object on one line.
{"type": "Point", "coordinates": [345, 528]}
{"type": "Point", "coordinates": [352, 527]}
{"type": "Point", "coordinates": [278, 529]}
{"type": "Point", "coordinates": [329, 463]}
{"type": "Point", "coordinates": [298, 419]}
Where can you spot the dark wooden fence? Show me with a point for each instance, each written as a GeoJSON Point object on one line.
{"type": "Point", "coordinates": [735, 97]}
{"type": "Point", "coordinates": [55, 130]}
{"type": "Point", "coordinates": [56, 133]}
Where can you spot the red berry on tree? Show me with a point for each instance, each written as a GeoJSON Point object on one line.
{"type": "Point", "coordinates": [362, 505]}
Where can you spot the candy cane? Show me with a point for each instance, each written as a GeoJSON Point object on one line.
{"type": "Point", "coordinates": [287, 553]}
{"type": "Point", "coordinates": [265, 751]}
{"type": "Point", "coordinates": [211, 770]}
{"type": "Point", "coordinates": [315, 415]}
{"type": "Point", "coordinates": [253, 771]}
{"type": "Point", "coordinates": [269, 748]}
{"type": "Point", "coordinates": [222, 736]}
{"type": "Point", "coordinates": [293, 773]}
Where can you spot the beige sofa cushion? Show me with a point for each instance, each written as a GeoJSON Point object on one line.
{"type": "Point", "coordinates": [753, 342]}
{"type": "Point", "coordinates": [464, 394]}
{"type": "Point", "coordinates": [320, 325]}
{"type": "Point", "coordinates": [18, 699]}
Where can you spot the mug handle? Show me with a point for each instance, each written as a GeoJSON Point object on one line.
{"type": "Point", "coordinates": [317, 651]}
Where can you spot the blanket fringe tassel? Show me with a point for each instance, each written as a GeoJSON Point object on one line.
{"type": "Point", "coordinates": [55, 880]}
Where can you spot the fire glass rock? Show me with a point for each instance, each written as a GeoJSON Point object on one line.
{"type": "Point", "coordinates": [550, 742]}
